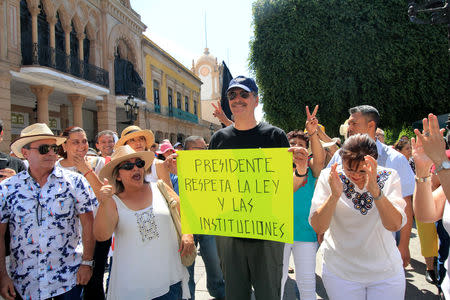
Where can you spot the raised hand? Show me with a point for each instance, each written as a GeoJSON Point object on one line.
{"type": "Point", "coordinates": [370, 168]}
{"type": "Point", "coordinates": [106, 192]}
{"type": "Point", "coordinates": [300, 158]}
{"type": "Point", "coordinates": [220, 115]}
{"type": "Point", "coordinates": [311, 120]}
{"type": "Point", "coordinates": [335, 182]}
{"type": "Point", "coordinates": [422, 162]}
{"type": "Point", "coordinates": [432, 139]}
{"type": "Point", "coordinates": [82, 164]}
{"type": "Point", "coordinates": [171, 163]}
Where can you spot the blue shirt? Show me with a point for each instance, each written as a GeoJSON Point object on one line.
{"type": "Point", "coordinates": [45, 230]}
{"type": "Point", "coordinates": [303, 232]}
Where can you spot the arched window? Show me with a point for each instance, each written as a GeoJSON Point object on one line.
{"type": "Point", "coordinates": [170, 100]}
{"type": "Point", "coordinates": [179, 100]}
{"type": "Point", "coordinates": [186, 103]}
{"type": "Point", "coordinates": [26, 43]}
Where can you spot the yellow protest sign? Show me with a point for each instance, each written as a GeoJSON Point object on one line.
{"type": "Point", "coordinates": [238, 192]}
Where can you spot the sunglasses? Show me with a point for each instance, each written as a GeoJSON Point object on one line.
{"type": "Point", "coordinates": [129, 165]}
{"type": "Point", "coordinates": [45, 148]}
{"type": "Point", "coordinates": [232, 95]}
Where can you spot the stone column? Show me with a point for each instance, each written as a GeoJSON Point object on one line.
{"type": "Point", "coordinates": [141, 117]}
{"type": "Point", "coordinates": [77, 105]}
{"type": "Point", "coordinates": [51, 24]}
{"type": "Point", "coordinates": [42, 92]}
{"type": "Point", "coordinates": [5, 106]}
{"type": "Point", "coordinates": [80, 37]}
{"type": "Point", "coordinates": [106, 113]}
{"type": "Point", "coordinates": [67, 29]}
{"type": "Point", "coordinates": [64, 115]}
{"type": "Point", "coordinates": [34, 11]}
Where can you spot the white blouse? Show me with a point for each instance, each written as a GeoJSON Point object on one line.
{"type": "Point", "coordinates": [446, 223]}
{"type": "Point", "coordinates": [356, 246]}
{"type": "Point", "coordinates": [146, 261]}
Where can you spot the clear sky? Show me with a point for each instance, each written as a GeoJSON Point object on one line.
{"type": "Point", "coordinates": [178, 26]}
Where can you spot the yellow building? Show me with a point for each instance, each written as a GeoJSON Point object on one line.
{"type": "Point", "coordinates": [173, 97]}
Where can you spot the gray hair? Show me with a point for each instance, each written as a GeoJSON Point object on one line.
{"type": "Point", "coordinates": [191, 140]}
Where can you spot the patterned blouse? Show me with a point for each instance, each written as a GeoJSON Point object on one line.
{"type": "Point", "coordinates": [45, 230]}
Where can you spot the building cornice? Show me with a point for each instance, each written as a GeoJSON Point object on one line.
{"type": "Point", "coordinates": [126, 16]}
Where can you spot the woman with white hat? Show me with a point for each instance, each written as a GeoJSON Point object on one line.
{"type": "Point", "coordinates": [147, 263]}
{"type": "Point", "coordinates": [141, 140]}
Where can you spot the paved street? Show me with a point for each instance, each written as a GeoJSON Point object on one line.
{"type": "Point", "coordinates": [416, 286]}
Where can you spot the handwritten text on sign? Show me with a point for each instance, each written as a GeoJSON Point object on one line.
{"type": "Point", "coordinates": [240, 192]}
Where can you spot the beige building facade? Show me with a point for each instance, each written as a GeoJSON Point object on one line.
{"type": "Point", "coordinates": [76, 62]}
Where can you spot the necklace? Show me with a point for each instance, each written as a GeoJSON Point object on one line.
{"type": "Point", "coordinates": [362, 201]}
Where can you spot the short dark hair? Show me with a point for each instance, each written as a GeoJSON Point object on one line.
{"type": "Point", "coordinates": [370, 112]}
{"type": "Point", "coordinates": [102, 133]}
{"type": "Point", "coordinates": [298, 134]}
{"type": "Point", "coordinates": [1, 125]}
{"type": "Point", "coordinates": [191, 140]}
{"type": "Point", "coordinates": [356, 147]}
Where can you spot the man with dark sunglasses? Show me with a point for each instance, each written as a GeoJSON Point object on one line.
{"type": "Point", "coordinates": [249, 262]}
{"type": "Point", "coordinates": [44, 206]}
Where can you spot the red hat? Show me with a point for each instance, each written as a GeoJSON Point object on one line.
{"type": "Point", "coordinates": [165, 147]}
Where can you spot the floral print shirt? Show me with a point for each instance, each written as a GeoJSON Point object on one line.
{"type": "Point", "coordinates": [45, 230]}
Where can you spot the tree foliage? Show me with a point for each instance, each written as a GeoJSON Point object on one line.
{"type": "Point", "coordinates": [343, 53]}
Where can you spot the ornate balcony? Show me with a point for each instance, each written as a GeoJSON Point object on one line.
{"type": "Point", "coordinates": [57, 59]}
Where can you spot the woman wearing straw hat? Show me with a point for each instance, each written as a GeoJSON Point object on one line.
{"type": "Point", "coordinates": [147, 263]}
{"type": "Point", "coordinates": [141, 140]}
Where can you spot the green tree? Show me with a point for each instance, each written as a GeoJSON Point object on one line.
{"type": "Point", "coordinates": [343, 53]}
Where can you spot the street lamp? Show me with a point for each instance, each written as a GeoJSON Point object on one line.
{"type": "Point", "coordinates": [440, 14]}
{"type": "Point", "coordinates": [131, 109]}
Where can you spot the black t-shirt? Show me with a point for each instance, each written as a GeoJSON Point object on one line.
{"type": "Point", "coordinates": [13, 163]}
{"type": "Point", "coordinates": [262, 135]}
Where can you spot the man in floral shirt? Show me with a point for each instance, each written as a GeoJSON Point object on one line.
{"type": "Point", "coordinates": [44, 206]}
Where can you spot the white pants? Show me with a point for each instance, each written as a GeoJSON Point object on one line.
{"type": "Point", "coordinates": [305, 268]}
{"type": "Point", "coordinates": [387, 289]}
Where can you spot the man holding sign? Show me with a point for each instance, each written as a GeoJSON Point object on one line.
{"type": "Point", "coordinates": [250, 262]}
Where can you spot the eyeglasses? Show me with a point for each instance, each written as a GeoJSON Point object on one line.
{"type": "Point", "coordinates": [129, 165]}
{"type": "Point", "coordinates": [232, 95]}
{"type": "Point", "coordinates": [45, 148]}
{"type": "Point", "coordinates": [199, 148]}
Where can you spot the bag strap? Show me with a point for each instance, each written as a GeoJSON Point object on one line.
{"type": "Point", "coordinates": [172, 204]}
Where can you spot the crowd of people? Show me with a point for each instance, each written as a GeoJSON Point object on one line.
{"type": "Point", "coordinates": [64, 208]}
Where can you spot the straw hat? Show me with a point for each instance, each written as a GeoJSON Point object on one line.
{"type": "Point", "coordinates": [132, 132]}
{"type": "Point", "coordinates": [32, 133]}
{"type": "Point", "coordinates": [124, 153]}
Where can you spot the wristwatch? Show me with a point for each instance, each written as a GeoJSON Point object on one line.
{"type": "Point", "coordinates": [445, 165]}
{"type": "Point", "coordinates": [89, 263]}
{"type": "Point", "coordinates": [379, 196]}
